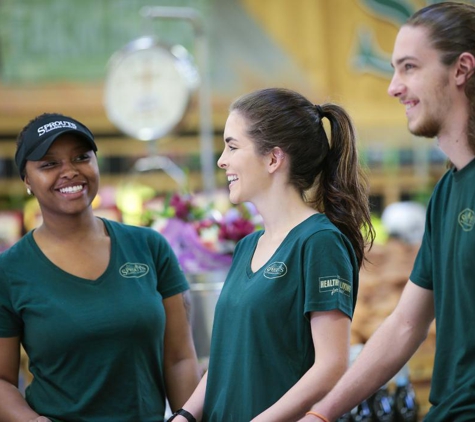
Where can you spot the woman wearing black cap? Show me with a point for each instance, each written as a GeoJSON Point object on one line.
{"type": "Point", "coordinates": [99, 306]}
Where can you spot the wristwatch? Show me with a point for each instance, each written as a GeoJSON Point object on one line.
{"type": "Point", "coordinates": [148, 87]}
{"type": "Point", "coordinates": [182, 412]}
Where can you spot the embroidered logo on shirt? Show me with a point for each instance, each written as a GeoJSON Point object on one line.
{"type": "Point", "coordinates": [133, 270]}
{"type": "Point", "coordinates": [275, 270]}
{"type": "Point", "coordinates": [467, 219]}
{"type": "Point", "coordinates": [334, 284]}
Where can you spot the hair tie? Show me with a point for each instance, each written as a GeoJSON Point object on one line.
{"type": "Point", "coordinates": [320, 111]}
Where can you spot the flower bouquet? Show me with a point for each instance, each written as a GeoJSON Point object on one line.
{"type": "Point", "coordinates": [202, 233]}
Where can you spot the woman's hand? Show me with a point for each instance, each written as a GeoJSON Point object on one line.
{"type": "Point", "coordinates": [40, 419]}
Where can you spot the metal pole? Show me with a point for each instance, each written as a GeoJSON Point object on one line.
{"type": "Point", "coordinates": [201, 46]}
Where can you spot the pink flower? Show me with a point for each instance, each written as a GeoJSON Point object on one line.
{"type": "Point", "coordinates": [182, 206]}
{"type": "Point", "coordinates": [235, 229]}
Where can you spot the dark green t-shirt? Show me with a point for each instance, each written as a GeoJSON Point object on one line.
{"type": "Point", "coordinates": [446, 265]}
{"type": "Point", "coordinates": [95, 347]}
{"type": "Point", "coordinates": [262, 341]}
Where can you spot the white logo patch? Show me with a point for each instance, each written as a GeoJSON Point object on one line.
{"type": "Point", "coordinates": [467, 219]}
{"type": "Point", "coordinates": [133, 270]}
{"type": "Point", "coordinates": [275, 270]}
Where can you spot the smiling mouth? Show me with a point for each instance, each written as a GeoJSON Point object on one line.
{"type": "Point", "coordinates": [72, 189]}
{"type": "Point", "coordinates": [409, 105]}
{"type": "Point", "coordinates": [232, 179]}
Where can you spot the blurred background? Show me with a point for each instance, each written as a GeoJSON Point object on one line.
{"type": "Point", "coordinates": [153, 80]}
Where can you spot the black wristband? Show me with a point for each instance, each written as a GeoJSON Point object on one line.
{"type": "Point", "coordinates": [182, 412]}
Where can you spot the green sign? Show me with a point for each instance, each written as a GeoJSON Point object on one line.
{"type": "Point", "coordinates": [72, 40]}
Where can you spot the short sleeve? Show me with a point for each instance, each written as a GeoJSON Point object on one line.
{"type": "Point", "coordinates": [331, 273]}
{"type": "Point", "coordinates": [170, 277]}
{"type": "Point", "coordinates": [10, 323]}
{"type": "Point", "coordinates": [422, 271]}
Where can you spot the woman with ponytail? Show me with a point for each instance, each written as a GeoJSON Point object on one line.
{"type": "Point", "coordinates": [281, 334]}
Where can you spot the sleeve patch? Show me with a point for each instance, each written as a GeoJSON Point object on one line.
{"type": "Point", "coordinates": [334, 284]}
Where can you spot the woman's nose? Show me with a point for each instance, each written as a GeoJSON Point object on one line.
{"type": "Point", "coordinates": [221, 163]}
{"type": "Point", "coordinates": [69, 170]}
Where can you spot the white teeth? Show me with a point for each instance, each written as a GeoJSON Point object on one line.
{"type": "Point", "coordinates": [232, 178]}
{"type": "Point", "coordinates": [71, 189]}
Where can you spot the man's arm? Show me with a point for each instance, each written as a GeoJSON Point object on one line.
{"type": "Point", "coordinates": [388, 349]}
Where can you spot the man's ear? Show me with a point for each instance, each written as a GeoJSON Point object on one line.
{"type": "Point", "coordinates": [465, 68]}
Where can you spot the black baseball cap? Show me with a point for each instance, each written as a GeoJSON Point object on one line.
{"type": "Point", "coordinates": [42, 132]}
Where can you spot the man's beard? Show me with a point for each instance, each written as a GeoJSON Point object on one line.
{"type": "Point", "coordinates": [430, 128]}
{"type": "Point", "coordinates": [431, 123]}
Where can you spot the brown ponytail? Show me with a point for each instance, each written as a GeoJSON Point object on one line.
{"type": "Point", "coordinates": [342, 187]}
{"type": "Point", "coordinates": [327, 174]}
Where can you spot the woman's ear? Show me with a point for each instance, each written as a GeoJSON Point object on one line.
{"type": "Point", "coordinates": [277, 157]}
{"type": "Point", "coordinates": [26, 181]}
